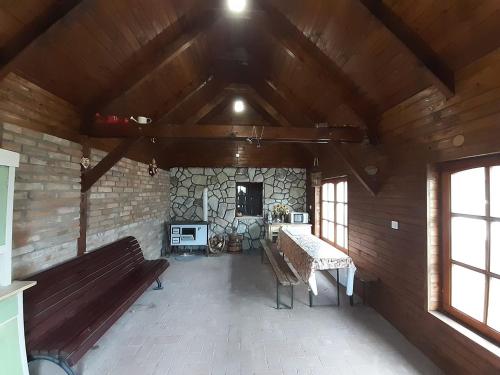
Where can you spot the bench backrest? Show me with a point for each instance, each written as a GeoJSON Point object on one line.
{"type": "Point", "coordinates": [62, 290]}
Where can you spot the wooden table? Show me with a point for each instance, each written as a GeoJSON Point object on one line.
{"type": "Point", "coordinates": [308, 254]}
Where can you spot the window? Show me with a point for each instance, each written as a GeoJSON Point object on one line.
{"type": "Point", "coordinates": [249, 198]}
{"type": "Point", "coordinates": [471, 243]}
{"type": "Point", "coordinates": [334, 212]}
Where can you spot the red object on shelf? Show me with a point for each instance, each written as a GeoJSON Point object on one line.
{"type": "Point", "coordinates": [110, 119]}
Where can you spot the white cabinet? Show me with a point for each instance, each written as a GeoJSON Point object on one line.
{"type": "Point", "coordinates": [272, 229]}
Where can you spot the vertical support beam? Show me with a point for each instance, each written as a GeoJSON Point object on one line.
{"type": "Point", "coordinates": [84, 202]}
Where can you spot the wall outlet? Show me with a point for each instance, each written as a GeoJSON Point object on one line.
{"type": "Point", "coordinates": [395, 225]}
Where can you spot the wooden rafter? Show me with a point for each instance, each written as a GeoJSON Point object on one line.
{"type": "Point", "coordinates": [370, 185]}
{"type": "Point", "coordinates": [225, 131]}
{"type": "Point", "coordinates": [286, 107]}
{"type": "Point", "coordinates": [90, 177]}
{"type": "Point", "coordinates": [265, 109]}
{"type": "Point", "coordinates": [156, 55]}
{"type": "Point", "coordinates": [298, 46]}
{"type": "Point", "coordinates": [32, 31]}
{"type": "Point", "coordinates": [208, 107]}
{"type": "Point", "coordinates": [440, 75]}
{"type": "Point", "coordinates": [194, 102]}
{"type": "Point", "coordinates": [182, 103]}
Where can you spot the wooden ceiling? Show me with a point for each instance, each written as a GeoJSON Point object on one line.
{"type": "Point", "coordinates": [295, 63]}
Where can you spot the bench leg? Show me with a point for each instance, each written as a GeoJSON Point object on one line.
{"type": "Point", "coordinates": [338, 288]}
{"type": "Point", "coordinates": [60, 362]}
{"type": "Point", "coordinates": [364, 293]}
{"type": "Point", "coordinates": [291, 305]}
{"type": "Point", "coordinates": [277, 294]}
{"type": "Point", "coordinates": [310, 298]}
{"type": "Point", "coordinates": [158, 285]}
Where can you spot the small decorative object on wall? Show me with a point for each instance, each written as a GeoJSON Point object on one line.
{"type": "Point", "coordinates": [316, 179]}
{"type": "Point", "coordinates": [280, 211]}
{"type": "Point", "coordinates": [458, 140]}
{"type": "Point", "coordinates": [85, 162]}
{"type": "Point", "coordinates": [153, 168]}
{"type": "Point", "coordinates": [371, 170]}
{"type": "Point", "coordinates": [141, 120]}
{"type": "Point", "coordinates": [255, 138]}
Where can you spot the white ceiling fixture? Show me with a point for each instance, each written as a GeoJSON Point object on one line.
{"type": "Point", "coordinates": [236, 6]}
{"type": "Point", "coordinates": [238, 106]}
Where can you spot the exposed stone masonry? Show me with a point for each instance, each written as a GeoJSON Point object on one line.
{"type": "Point", "coordinates": [280, 185]}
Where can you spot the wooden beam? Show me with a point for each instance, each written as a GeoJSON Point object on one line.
{"type": "Point", "coordinates": [257, 100]}
{"type": "Point", "coordinates": [438, 72]}
{"type": "Point", "coordinates": [32, 32]}
{"type": "Point", "coordinates": [91, 176]}
{"type": "Point", "coordinates": [234, 132]}
{"type": "Point", "coordinates": [193, 102]}
{"type": "Point", "coordinates": [370, 185]}
{"type": "Point", "coordinates": [207, 108]}
{"type": "Point", "coordinates": [155, 56]}
{"type": "Point", "coordinates": [289, 112]}
{"type": "Point", "coordinates": [298, 46]}
{"type": "Point", "coordinates": [184, 101]}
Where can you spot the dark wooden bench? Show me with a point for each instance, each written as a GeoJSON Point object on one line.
{"type": "Point", "coordinates": [366, 279]}
{"type": "Point", "coordinates": [284, 275]}
{"type": "Point", "coordinates": [76, 302]}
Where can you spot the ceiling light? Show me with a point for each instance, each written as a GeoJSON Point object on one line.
{"type": "Point", "coordinates": [236, 6]}
{"type": "Point", "coordinates": [238, 106]}
{"type": "Point", "coordinates": [237, 155]}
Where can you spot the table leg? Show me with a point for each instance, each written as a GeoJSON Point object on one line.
{"type": "Point", "coordinates": [338, 288]}
{"type": "Point", "coordinates": [310, 298]}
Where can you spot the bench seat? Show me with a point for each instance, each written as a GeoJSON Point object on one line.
{"type": "Point", "coordinates": [284, 274]}
{"type": "Point", "coordinates": [76, 302]}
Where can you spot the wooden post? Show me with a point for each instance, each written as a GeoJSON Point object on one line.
{"type": "Point", "coordinates": [84, 203]}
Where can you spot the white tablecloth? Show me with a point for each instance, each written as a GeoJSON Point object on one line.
{"type": "Point", "coordinates": [307, 254]}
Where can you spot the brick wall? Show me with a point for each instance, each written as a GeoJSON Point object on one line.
{"type": "Point", "coordinates": [125, 201]}
{"type": "Point", "coordinates": [47, 198]}
{"type": "Point", "coordinates": [47, 189]}
{"type": "Point", "coordinates": [128, 201]}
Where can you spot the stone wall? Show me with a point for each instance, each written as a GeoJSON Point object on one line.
{"type": "Point", "coordinates": [280, 185]}
{"type": "Point", "coordinates": [127, 201]}
{"type": "Point", "coordinates": [46, 199]}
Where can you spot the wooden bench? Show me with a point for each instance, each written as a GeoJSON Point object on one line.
{"type": "Point", "coordinates": [75, 303]}
{"type": "Point", "coordinates": [366, 278]}
{"type": "Point", "coordinates": [284, 275]}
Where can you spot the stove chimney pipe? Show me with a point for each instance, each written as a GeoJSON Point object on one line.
{"type": "Point", "coordinates": [205, 204]}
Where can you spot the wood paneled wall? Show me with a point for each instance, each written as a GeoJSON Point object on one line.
{"type": "Point", "coordinates": [415, 135]}
{"type": "Point", "coordinates": [24, 104]}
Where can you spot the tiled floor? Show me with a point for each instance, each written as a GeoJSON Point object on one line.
{"type": "Point", "coordinates": [218, 316]}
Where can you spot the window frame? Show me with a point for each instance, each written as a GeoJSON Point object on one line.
{"type": "Point", "coordinates": [446, 170]}
{"type": "Point", "coordinates": [261, 197]}
{"type": "Point", "coordinates": [335, 181]}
